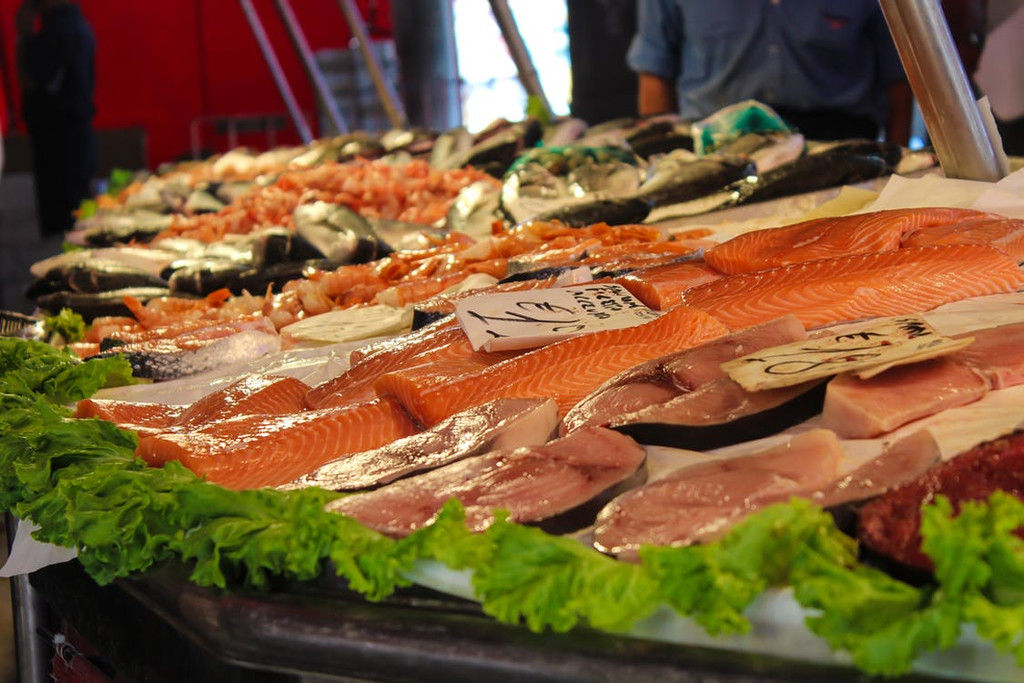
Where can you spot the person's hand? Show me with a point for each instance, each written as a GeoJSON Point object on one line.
{"type": "Point", "coordinates": [25, 19]}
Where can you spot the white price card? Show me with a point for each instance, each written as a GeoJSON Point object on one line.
{"type": "Point", "coordinates": [528, 319]}
{"type": "Point", "coordinates": [866, 350]}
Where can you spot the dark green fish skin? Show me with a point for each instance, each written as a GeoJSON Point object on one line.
{"type": "Point", "coordinates": [95, 305]}
{"type": "Point", "coordinates": [840, 165]}
{"type": "Point", "coordinates": [90, 278]}
{"type": "Point", "coordinates": [611, 211]}
{"type": "Point", "coordinates": [675, 181]}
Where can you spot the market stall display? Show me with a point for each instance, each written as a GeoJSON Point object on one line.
{"type": "Point", "coordinates": [187, 478]}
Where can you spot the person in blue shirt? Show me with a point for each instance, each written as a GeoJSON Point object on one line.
{"type": "Point", "coordinates": [828, 67]}
{"type": "Point", "coordinates": [56, 67]}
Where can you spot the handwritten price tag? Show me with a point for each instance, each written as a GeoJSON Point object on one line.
{"type": "Point", "coordinates": [867, 351]}
{"type": "Point", "coordinates": [525, 320]}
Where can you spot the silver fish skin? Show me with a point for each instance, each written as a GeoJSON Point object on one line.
{"type": "Point", "coordinates": [533, 484]}
{"type": "Point", "coordinates": [501, 424]}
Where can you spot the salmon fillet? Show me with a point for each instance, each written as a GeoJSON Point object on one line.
{"type": "Point", "coordinates": [832, 237]}
{"type": "Point", "coordinates": [661, 287]}
{"type": "Point", "coordinates": [251, 451]}
{"type": "Point", "coordinates": [447, 342]}
{"type": "Point", "coordinates": [144, 418]}
{"type": "Point", "coordinates": [251, 395]}
{"type": "Point", "coordinates": [1005, 234]}
{"type": "Point", "coordinates": [566, 371]}
{"type": "Point", "coordinates": [862, 286]}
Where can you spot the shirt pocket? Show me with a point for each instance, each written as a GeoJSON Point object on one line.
{"type": "Point", "coordinates": [834, 37]}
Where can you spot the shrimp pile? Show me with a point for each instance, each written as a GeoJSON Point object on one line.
{"type": "Point", "coordinates": [410, 276]}
{"type": "Point", "coordinates": [412, 192]}
{"type": "Point", "coordinates": [403, 277]}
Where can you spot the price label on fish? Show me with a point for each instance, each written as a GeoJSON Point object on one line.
{"type": "Point", "coordinates": [867, 351]}
{"type": "Point", "coordinates": [525, 320]}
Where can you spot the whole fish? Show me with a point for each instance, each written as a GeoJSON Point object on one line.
{"type": "Point", "coordinates": [95, 305]}
{"type": "Point", "coordinates": [679, 177]}
{"type": "Point", "coordinates": [819, 171]}
{"type": "Point", "coordinates": [341, 234]}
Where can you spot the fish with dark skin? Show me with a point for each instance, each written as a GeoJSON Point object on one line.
{"type": "Point", "coordinates": [667, 377]}
{"type": "Point", "coordinates": [532, 484]}
{"type": "Point", "coordinates": [675, 180]}
{"type": "Point", "coordinates": [840, 165]}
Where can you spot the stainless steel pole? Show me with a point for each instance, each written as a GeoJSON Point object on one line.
{"type": "Point", "coordinates": [316, 76]}
{"type": "Point", "coordinates": [943, 92]}
{"type": "Point", "coordinates": [520, 55]}
{"type": "Point", "coordinates": [276, 71]}
{"type": "Point", "coordinates": [30, 620]}
{"type": "Point", "coordinates": [392, 105]}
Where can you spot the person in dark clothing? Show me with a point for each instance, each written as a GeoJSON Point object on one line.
{"type": "Point", "coordinates": [56, 65]}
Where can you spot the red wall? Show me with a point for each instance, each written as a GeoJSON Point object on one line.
{"type": "Point", "coordinates": [161, 64]}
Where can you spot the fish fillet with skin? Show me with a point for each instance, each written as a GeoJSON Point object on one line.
{"type": "Point", "coordinates": [532, 484]}
{"type": "Point", "coordinates": [701, 502]}
{"type": "Point", "coordinates": [444, 344]}
{"type": "Point", "coordinates": [251, 395]}
{"type": "Point", "coordinates": [502, 424]}
{"type": "Point", "coordinates": [144, 418]}
{"type": "Point", "coordinates": [567, 370]}
{"type": "Point", "coordinates": [664, 378]}
{"type": "Point", "coordinates": [252, 451]}
{"type": "Point", "coordinates": [899, 463]}
{"type": "Point", "coordinates": [832, 237]}
{"type": "Point", "coordinates": [836, 290]}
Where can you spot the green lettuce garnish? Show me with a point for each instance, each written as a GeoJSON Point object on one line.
{"type": "Point", "coordinates": [80, 481]}
{"type": "Point", "coordinates": [68, 324]}
{"type": "Point", "coordinates": [31, 368]}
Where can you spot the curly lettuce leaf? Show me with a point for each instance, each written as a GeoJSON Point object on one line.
{"type": "Point", "coordinates": [446, 540]}
{"type": "Point", "coordinates": [555, 582]}
{"type": "Point", "coordinates": [31, 368]}
{"type": "Point", "coordinates": [715, 583]}
{"type": "Point", "coordinates": [979, 561]}
{"type": "Point", "coordinates": [70, 326]}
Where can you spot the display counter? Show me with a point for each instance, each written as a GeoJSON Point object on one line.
{"type": "Point", "coordinates": [159, 627]}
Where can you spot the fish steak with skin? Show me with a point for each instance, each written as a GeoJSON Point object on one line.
{"type": "Point", "coordinates": [502, 424]}
{"type": "Point", "coordinates": [700, 503]}
{"type": "Point", "coordinates": [532, 483]}
{"type": "Point", "coordinates": [721, 413]}
{"type": "Point", "coordinates": [667, 377]}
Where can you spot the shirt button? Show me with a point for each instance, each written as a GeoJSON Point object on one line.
{"type": "Point", "coordinates": [773, 49]}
